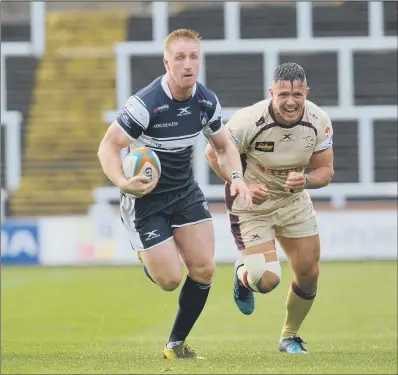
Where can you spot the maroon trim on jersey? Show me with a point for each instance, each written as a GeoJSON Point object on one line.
{"type": "Point", "coordinates": [229, 199]}
{"type": "Point", "coordinates": [236, 232]}
{"type": "Point", "coordinates": [275, 123]}
{"type": "Point", "coordinates": [266, 127]}
{"type": "Point", "coordinates": [233, 219]}
{"type": "Point", "coordinates": [309, 125]}
{"type": "Point", "coordinates": [298, 122]}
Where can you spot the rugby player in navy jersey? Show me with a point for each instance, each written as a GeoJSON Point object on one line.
{"type": "Point", "coordinates": [168, 218]}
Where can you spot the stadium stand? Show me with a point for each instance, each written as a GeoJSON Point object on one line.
{"type": "Point", "coordinates": [74, 85]}
{"type": "Point", "coordinates": [76, 82]}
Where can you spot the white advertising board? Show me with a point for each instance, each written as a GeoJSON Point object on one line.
{"type": "Point", "coordinates": [84, 240]}
{"type": "Point", "coordinates": [101, 239]}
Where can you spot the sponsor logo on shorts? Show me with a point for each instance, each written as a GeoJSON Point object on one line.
{"type": "Point", "coordinates": [314, 224]}
{"type": "Point", "coordinates": [265, 146]}
{"type": "Point", "coordinates": [153, 143]}
{"type": "Point", "coordinates": [162, 108]}
{"type": "Point", "coordinates": [166, 124]}
{"type": "Point", "coordinates": [255, 237]}
{"type": "Point", "coordinates": [151, 235]}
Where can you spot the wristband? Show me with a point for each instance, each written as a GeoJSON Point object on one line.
{"type": "Point", "coordinates": [235, 176]}
{"type": "Point", "coordinates": [306, 181]}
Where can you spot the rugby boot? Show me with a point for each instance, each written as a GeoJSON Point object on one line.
{"type": "Point", "coordinates": [292, 345]}
{"type": "Point", "coordinates": [183, 351]}
{"type": "Point", "coordinates": [243, 297]}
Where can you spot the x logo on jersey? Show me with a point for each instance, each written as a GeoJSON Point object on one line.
{"type": "Point", "coordinates": [184, 111]}
{"type": "Point", "coordinates": [287, 137]}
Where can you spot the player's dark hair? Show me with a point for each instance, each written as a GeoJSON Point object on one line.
{"type": "Point", "coordinates": [289, 72]}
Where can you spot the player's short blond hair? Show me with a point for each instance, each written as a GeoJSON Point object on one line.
{"type": "Point", "coordinates": [179, 34]}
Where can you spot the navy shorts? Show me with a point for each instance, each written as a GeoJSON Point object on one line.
{"type": "Point", "coordinates": [174, 209]}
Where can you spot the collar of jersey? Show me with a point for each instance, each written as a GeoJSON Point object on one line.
{"type": "Point", "coordinates": [271, 112]}
{"type": "Point", "coordinates": [166, 89]}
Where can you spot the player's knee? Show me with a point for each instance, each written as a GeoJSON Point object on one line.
{"type": "Point", "coordinates": [309, 271]}
{"type": "Point", "coordinates": [168, 284]}
{"type": "Point", "coordinates": [203, 273]}
{"type": "Point", "coordinates": [262, 276]}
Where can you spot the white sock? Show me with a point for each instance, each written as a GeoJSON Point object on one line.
{"type": "Point", "coordinates": [173, 344]}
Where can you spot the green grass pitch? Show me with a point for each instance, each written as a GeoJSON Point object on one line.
{"type": "Point", "coordinates": [113, 320]}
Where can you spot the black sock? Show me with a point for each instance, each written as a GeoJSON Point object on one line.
{"type": "Point", "coordinates": [192, 299]}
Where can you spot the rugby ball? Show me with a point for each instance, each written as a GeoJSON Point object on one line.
{"type": "Point", "coordinates": [142, 161]}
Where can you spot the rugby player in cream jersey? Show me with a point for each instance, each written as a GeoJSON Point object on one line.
{"type": "Point", "coordinates": [278, 139]}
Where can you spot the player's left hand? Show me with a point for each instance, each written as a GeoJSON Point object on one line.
{"type": "Point", "coordinates": [295, 182]}
{"type": "Point", "coordinates": [239, 188]}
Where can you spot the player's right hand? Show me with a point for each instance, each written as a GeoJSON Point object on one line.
{"type": "Point", "coordinates": [138, 185]}
{"type": "Point", "coordinates": [259, 193]}
{"type": "Point", "coordinates": [239, 189]}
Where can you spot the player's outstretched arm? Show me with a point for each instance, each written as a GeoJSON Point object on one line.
{"type": "Point", "coordinates": [223, 156]}
{"type": "Point", "coordinates": [109, 155]}
{"type": "Point", "coordinates": [230, 136]}
{"type": "Point", "coordinates": [212, 159]}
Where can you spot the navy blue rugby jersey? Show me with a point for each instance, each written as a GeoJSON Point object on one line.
{"type": "Point", "coordinates": [152, 118]}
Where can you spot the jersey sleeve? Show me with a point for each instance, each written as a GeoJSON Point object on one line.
{"type": "Point", "coordinates": [134, 117]}
{"type": "Point", "coordinates": [214, 124]}
{"type": "Point", "coordinates": [238, 128]}
{"type": "Point", "coordinates": [324, 138]}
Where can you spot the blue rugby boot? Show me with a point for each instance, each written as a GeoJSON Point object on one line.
{"type": "Point", "coordinates": [243, 297]}
{"type": "Point", "coordinates": [292, 345]}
